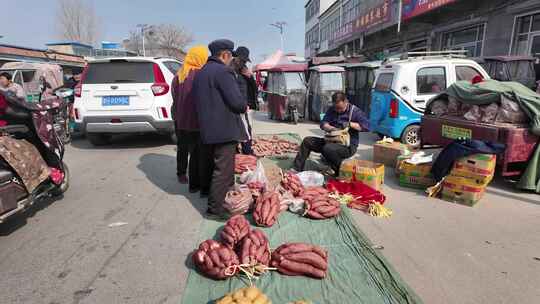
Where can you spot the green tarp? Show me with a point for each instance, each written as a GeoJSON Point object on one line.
{"type": "Point", "coordinates": [357, 272]}
{"type": "Point", "coordinates": [490, 91]}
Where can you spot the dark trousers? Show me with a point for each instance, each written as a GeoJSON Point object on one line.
{"type": "Point", "coordinates": [333, 153]}
{"type": "Point", "coordinates": [217, 172]}
{"type": "Point", "coordinates": [182, 152]}
{"type": "Point", "coordinates": [191, 142]}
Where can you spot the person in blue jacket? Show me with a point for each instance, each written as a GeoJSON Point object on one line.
{"type": "Point", "coordinates": [219, 105]}
{"type": "Point", "coordinates": [342, 115]}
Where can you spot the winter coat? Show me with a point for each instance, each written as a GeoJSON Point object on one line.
{"type": "Point", "coordinates": [183, 110]}
{"type": "Point", "coordinates": [219, 104]}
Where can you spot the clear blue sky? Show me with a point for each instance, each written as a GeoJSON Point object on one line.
{"type": "Point", "coordinates": [31, 22]}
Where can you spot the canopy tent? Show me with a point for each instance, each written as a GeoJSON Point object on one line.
{"type": "Point", "coordinates": [279, 59]}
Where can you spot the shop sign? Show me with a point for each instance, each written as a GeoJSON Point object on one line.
{"type": "Point", "coordinates": [367, 19]}
{"type": "Point", "coordinates": [372, 17]}
{"type": "Point", "coordinates": [413, 8]}
{"type": "Point", "coordinates": [451, 132]}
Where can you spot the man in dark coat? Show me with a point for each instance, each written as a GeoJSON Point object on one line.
{"type": "Point", "coordinates": [242, 78]}
{"type": "Point", "coordinates": [219, 106]}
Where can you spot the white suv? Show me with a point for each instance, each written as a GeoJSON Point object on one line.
{"type": "Point", "coordinates": [125, 95]}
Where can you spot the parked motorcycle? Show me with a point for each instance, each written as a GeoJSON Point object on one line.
{"type": "Point", "coordinates": [31, 154]}
{"type": "Point", "coordinates": [62, 116]}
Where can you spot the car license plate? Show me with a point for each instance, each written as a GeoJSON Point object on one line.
{"type": "Point", "coordinates": [115, 101]}
{"type": "Point", "coordinates": [456, 133]}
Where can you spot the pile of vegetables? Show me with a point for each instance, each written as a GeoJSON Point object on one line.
{"type": "Point", "coordinates": [299, 259]}
{"type": "Point", "coordinates": [273, 147]}
{"type": "Point", "coordinates": [243, 163]}
{"type": "Point", "coordinates": [236, 228]}
{"type": "Point", "coordinates": [215, 260]}
{"type": "Point", "coordinates": [248, 295]}
{"type": "Point", "coordinates": [267, 209]}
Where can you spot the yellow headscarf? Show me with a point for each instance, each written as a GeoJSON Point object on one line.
{"type": "Point", "coordinates": [195, 59]}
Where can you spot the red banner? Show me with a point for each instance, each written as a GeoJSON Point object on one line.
{"type": "Point", "coordinates": [413, 8]}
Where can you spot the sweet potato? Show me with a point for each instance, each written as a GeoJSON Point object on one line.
{"type": "Point", "coordinates": [215, 260]}
{"type": "Point", "coordinates": [292, 183]}
{"type": "Point", "coordinates": [267, 209]}
{"type": "Point", "coordinates": [254, 249]}
{"type": "Point", "coordinates": [321, 206]}
{"type": "Point", "coordinates": [300, 259]}
{"type": "Point", "coordinates": [236, 228]}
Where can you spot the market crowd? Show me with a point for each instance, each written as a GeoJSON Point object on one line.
{"type": "Point", "coordinates": [213, 95]}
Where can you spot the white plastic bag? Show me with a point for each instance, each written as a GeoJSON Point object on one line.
{"type": "Point", "coordinates": [311, 179]}
{"type": "Point", "coordinates": [258, 175]}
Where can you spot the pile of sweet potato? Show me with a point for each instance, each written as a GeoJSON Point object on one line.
{"type": "Point", "coordinates": [256, 188]}
{"type": "Point", "coordinates": [243, 163]}
{"type": "Point", "coordinates": [254, 249]}
{"type": "Point", "coordinates": [236, 228]}
{"type": "Point", "coordinates": [296, 259]}
{"type": "Point", "coordinates": [267, 209]}
{"type": "Point", "coordinates": [291, 182]}
{"type": "Point", "coordinates": [273, 147]}
{"type": "Point", "coordinates": [215, 260]}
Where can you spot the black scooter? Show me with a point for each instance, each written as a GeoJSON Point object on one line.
{"type": "Point", "coordinates": [24, 120]}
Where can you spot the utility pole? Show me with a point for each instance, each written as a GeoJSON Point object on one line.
{"type": "Point", "coordinates": [280, 26]}
{"type": "Point", "coordinates": [143, 29]}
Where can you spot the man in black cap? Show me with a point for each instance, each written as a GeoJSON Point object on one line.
{"type": "Point", "coordinates": [248, 88]}
{"type": "Point", "coordinates": [219, 106]}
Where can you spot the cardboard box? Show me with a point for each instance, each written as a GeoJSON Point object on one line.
{"type": "Point", "coordinates": [479, 167]}
{"type": "Point", "coordinates": [370, 173]}
{"type": "Point", "coordinates": [416, 176]}
{"type": "Point", "coordinates": [462, 190]}
{"type": "Point", "coordinates": [387, 153]}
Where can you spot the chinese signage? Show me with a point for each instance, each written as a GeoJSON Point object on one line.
{"type": "Point", "coordinates": [372, 17]}
{"type": "Point", "coordinates": [366, 20]}
{"type": "Point", "coordinates": [413, 8]}
{"type": "Point", "coordinates": [456, 133]}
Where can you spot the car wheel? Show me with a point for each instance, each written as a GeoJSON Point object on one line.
{"type": "Point", "coordinates": [98, 139]}
{"type": "Point", "coordinates": [62, 188]}
{"type": "Point", "coordinates": [411, 136]}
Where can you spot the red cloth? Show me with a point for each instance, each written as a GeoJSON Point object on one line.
{"type": "Point", "coordinates": [364, 194]}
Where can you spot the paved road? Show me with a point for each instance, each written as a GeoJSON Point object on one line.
{"type": "Point", "coordinates": [64, 252]}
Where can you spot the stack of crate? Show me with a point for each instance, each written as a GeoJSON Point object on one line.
{"type": "Point", "coordinates": [469, 178]}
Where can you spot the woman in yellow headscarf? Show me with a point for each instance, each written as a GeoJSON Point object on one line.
{"type": "Point", "coordinates": [185, 119]}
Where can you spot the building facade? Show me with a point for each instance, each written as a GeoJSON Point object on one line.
{"type": "Point", "coordinates": [381, 28]}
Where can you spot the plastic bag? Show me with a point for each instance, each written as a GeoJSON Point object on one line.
{"type": "Point", "coordinates": [258, 175]}
{"type": "Point", "coordinates": [439, 107]}
{"type": "Point", "coordinates": [473, 114]}
{"type": "Point", "coordinates": [510, 112]}
{"type": "Point", "coordinates": [311, 179]}
{"type": "Point", "coordinates": [489, 113]}
{"type": "Point", "coordinates": [454, 106]}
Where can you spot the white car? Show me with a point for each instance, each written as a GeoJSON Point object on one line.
{"type": "Point", "coordinates": [125, 95]}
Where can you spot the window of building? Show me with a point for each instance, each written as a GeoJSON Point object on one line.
{"type": "Point", "coordinates": [470, 39]}
{"type": "Point", "coordinates": [431, 80]}
{"type": "Point", "coordinates": [330, 25]}
{"type": "Point", "coordinates": [527, 36]}
{"type": "Point", "coordinates": [312, 9]}
{"type": "Point", "coordinates": [466, 73]}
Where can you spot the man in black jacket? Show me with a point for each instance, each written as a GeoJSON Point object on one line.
{"type": "Point", "coordinates": [219, 105]}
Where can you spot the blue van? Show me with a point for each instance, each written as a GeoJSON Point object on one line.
{"type": "Point", "coordinates": [403, 87]}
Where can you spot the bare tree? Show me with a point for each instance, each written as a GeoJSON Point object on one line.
{"type": "Point", "coordinates": [160, 40]}
{"type": "Point", "coordinates": [77, 21]}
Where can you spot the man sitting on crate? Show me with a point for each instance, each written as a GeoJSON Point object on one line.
{"type": "Point", "coordinates": [342, 123]}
